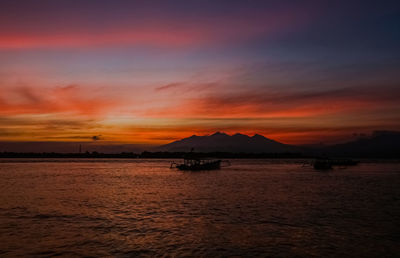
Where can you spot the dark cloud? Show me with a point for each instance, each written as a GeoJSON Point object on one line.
{"type": "Point", "coordinates": [30, 95]}
{"type": "Point", "coordinates": [169, 86]}
{"type": "Point", "coordinates": [96, 137]}
{"type": "Point", "coordinates": [187, 87]}
{"type": "Point", "coordinates": [265, 99]}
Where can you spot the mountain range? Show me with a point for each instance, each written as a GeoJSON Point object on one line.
{"type": "Point", "coordinates": [379, 144]}
{"type": "Point", "coordinates": [222, 142]}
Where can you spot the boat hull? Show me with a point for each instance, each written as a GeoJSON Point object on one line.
{"type": "Point", "coordinates": [324, 164]}
{"type": "Point", "coordinates": [196, 167]}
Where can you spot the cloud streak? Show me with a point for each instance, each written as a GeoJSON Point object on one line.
{"type": "Point", "coordinates": [282, 104]}
{"type": "Point", "coordinates": [66, 99]}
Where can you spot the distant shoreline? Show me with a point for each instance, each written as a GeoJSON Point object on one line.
{"type": "Point", "coordinates": [131, 155]}
{"type": "Point", "coordinates": [176, 155]}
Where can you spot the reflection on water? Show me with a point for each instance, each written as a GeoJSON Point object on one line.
{"type": "Point", "coordinates": [253, 208]}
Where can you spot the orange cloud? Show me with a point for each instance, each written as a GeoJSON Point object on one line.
{"type": "Point", "coordinates": [68, 99]}
{"type": "Point", "coordinates": [290, 117]}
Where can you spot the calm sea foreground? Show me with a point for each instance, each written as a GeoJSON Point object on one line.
{"type": "Point", "coordinates": [253, 208]}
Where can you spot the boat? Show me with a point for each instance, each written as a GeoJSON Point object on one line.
{"type": "Point", "coordinates": [326, 163]}
{"type": "Point", "coordinates": [198, 164]}
{"type": "Point", "coordinates": [322, 164]}
{"type": "Point", "coordinates": [344, 162]}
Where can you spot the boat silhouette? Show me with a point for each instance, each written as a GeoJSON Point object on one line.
{"type": "Point", "coordinates": [198, 164]}
{"type": "Point", "coordinates": [192, 161]}
{"type": "Point", "coordinates": [326, 163]}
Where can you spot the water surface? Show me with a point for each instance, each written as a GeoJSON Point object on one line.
{"type": "Point", "coordinates": [260, 208]}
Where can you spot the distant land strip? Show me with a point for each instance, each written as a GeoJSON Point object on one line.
{"type": "Point", "coordinates": [180, 155]}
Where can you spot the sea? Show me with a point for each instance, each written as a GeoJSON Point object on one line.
{"type": "Point", "coordinates": [252, 208]}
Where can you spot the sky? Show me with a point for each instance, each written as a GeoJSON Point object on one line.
{"type": "Point", "coordinates": [151, 72]}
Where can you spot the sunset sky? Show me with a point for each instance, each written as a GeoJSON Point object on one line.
{"type": "Point", "coordinates": [150, 72]}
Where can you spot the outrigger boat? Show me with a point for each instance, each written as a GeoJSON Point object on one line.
{"type": "Point", "coordinates": [325, 163]}
{"type": "Point", "coordinates": [192, 161]}
{"type": "Point", "coordinates": [198, 164]}
{"type": "Point", "coordinates": [322, 164]}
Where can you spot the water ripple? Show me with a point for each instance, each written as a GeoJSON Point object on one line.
{"type": "Point", "coordinates": [253, 209]}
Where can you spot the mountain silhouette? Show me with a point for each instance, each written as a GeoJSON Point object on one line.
{"type": "Point", "coordinates": [381, 144]}
{"type": "Point", "coordinates": [222, 142]}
